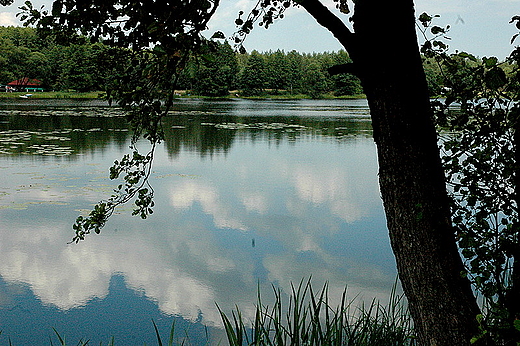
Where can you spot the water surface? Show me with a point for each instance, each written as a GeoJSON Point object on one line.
{"type": "Point", "coordinates": [248, 194]}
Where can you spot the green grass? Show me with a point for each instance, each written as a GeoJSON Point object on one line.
{"type": "Point", "coordinates": [308, 319]}
{"type": "Point", "coordinates": [304, 318]}
{"type": "Point", "coordinates": [53, 95]}
{"type": "Point", "coordinates": [96, 94]}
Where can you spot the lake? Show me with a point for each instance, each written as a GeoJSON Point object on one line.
{"type": "Point", "coordinates": [249, 195]}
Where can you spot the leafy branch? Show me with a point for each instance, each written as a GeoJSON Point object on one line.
{"type": "Point", "coordinates": [156, 37]}
{"type": "Point", "coordinates": [135, 170]}
{"type": "Point", "coordinates": [479, 118]}
{"type": "Point", "coordinates": [266, 12]}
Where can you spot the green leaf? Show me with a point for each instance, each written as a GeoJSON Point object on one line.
{"type": "Point", "coordinates": [57, 7]}
{"type": "Point", "coordinates": [490, 62]}
{"type": "Point", "coordinates": [495, 78]}
{"type": "Point", "coordinates": [468, 56]}
{"type": "Point", "coordinates": [425, 19]}
{"type": "Point", "coordinates": [516, 324]}
{"type": "Point", "coordinates": [218, 35]}
{"type": "Point", "coordinates": [435, 30]}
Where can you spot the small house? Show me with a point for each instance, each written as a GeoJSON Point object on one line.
{"type": "Point", "coordinates": [26, 84]}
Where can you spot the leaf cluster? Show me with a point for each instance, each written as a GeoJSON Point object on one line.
{"type": "Point", "coordinates": [265, 13]}
{"type": "Point", "coordinates": [478, 116]}
{"type": "Point", "coordinates": [134, 24]}
{"type": "Point", "coordinates": [157, 36]}
{"type": "Point", "coordinates": [135, 170]}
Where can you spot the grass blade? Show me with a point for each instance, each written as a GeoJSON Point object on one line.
{"type": "Point", "coordinates": [62, 340]}
{"type": "Point", "coordinates": [310, 320]}
{"type": "Point", "coordinates": [159, 341]}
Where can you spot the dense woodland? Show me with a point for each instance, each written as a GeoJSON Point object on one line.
{"type": "Point", "coordinates": [86, 66]}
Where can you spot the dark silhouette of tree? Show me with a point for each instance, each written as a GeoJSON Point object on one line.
{"type": "Point", "coordinates": [411, 176]}
{"type": "Point", "coordinates": [215, 70]}
{"type": "Point", "coordinates": [481, 159]}
{"type": "Point", "coordinates": [253, 77]}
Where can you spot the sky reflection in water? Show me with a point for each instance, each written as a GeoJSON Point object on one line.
{"type": "Point", "coordinates": [247, 193]}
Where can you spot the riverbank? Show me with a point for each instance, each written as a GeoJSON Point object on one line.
{"type": "Point", "coordinates": [51, 95]}
{"type": "Point", "coordinates": [98, 94]}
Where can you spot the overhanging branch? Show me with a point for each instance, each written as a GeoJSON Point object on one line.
{"type": "Point", "coordinates": [331, 22]}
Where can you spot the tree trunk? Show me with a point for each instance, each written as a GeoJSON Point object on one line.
{"type": "Point", "coordinates": [386, 58]}
{"type": "Point", "coordinates": [414, 196]}
{"type": "Point", "coordinates": [411, 177]}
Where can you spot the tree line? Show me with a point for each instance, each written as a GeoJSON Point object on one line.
{"type": "Point", "coordinates": [216, 71]}
{"type": "Point", "coordinates": [82, 66]}
{"type": "Point", "coordinates": [219, 69]}
{"type": "Point", "coordinates": [261, 73]}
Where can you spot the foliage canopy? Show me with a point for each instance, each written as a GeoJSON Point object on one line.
{"type": "Point", "coordinates": [157, 38]}
{"type": "Point", "coordinates": [478, 116]}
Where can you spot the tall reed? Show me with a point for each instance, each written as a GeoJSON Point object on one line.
{"type": "Point", "coordinates": [309, 319]}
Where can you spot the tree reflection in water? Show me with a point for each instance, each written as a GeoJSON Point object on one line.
{"type": "Point", "coordinates": [302, 189]}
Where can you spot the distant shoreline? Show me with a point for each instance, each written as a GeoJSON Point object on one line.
{"type": "Point", "coordinates": [98, 94]}
{"type": "Point", "coordinates": [51, 95]}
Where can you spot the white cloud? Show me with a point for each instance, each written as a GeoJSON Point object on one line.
{"type": "Point", "coordinates": [290, 267]}
{"type": "Point", "coordinates": [255, 202]}
{"type": "Point", "coordinates": [8, 19]}
{"type": "Point", "coordinates": [244, 5]}
{"type": "Point", "coordinates": [331, 187]}
{"type": "Point", "coordinates": [185, 264]}
{"type": "Point", "coordinates": [188, 193]}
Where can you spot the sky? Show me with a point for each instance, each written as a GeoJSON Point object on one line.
{"type": "Point", "coordinates": [480, 27]}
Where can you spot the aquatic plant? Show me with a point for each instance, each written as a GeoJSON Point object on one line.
{"type": "Point", "coordinates": [171, 338]}
{"type": "Point", "coordinates": [310, 320]}
{"type": "Point", "coordinates": [62, 340]}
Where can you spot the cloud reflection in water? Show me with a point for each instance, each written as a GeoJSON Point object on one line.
{"type": "Point", "coordinates": [309, 206]}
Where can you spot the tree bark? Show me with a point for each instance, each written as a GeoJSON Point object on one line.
{"type": "Point", "coordinates": [412, 182]}
{"type": "Point", "coordinates": [411, 177]}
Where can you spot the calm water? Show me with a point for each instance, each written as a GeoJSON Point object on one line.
{"type": "Point", "coordinates": [248, 194]}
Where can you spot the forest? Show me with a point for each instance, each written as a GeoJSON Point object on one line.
{"type": "Point", "coordinates": [218, 71]}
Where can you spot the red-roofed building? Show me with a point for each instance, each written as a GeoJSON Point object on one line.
{"type": "Point", "coordinates": [26, 84]}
